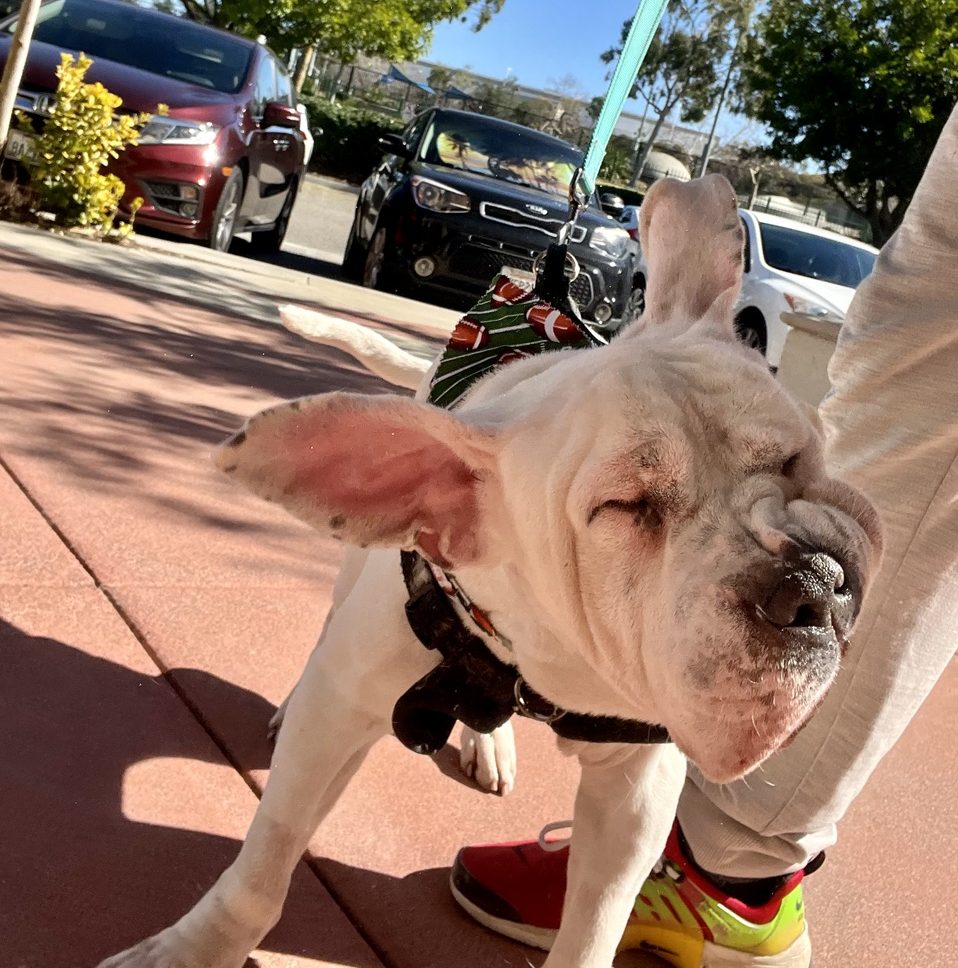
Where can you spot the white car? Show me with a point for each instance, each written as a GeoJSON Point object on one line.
{"type": "Point", "coordinates": [794, 268]}
{"type": "Point", "coordinates": [791, 268]}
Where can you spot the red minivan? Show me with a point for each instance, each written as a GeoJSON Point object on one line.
{"type": "Point", "coordinates": [230, 154]}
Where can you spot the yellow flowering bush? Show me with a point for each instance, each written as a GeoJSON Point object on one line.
{"type": "Point", "coordinates": [81, 135]}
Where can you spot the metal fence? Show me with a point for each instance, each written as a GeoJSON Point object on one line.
{"type": "Point", "coordinates": [811, 213]}
{"type": "Point", "coordinates": [369, 87]}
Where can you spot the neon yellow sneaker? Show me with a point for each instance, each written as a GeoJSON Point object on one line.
{"type": "Point", "coordinates": [680, 915]}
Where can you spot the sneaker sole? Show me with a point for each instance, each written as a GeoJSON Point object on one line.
{"type": "Point", "coordinates": [797, 955]}
{"type": "Point", "coordinates": [540, 938]}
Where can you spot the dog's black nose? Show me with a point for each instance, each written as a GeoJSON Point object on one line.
{"type": "Point", "coordinates": [810, 593]}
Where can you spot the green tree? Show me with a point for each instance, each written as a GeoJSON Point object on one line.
{"type": "Point", "coordinates": [679, 71]}
{"type": "Point", "coordinates": [861, 88]}
{"type": "Point", "coordinates": [343, 29]}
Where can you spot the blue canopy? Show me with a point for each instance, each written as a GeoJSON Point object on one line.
{"type": "Point", "coordinates": [395, 74]}
{"type": "Point", "coordinates": [454, 94]}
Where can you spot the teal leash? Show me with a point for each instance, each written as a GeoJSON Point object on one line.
{"type": "Point", "coordinates": [559, 266]}
{"type": "Point", "coordinates": [644, 25]}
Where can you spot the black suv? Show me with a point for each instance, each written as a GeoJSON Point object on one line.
{"type": "Point", "coordinates": [460, 196]}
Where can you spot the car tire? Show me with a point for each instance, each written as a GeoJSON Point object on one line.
{"type": "Point", "coordinates": [226, 214]}
{"type": "Point", "coordinates": [270, 241]}
{"type": "Point", "coordinates": [354, 256]}
{"type": "Point", "coordinates": [751, 330]}
{"type": "Point", "coordinates": [377, 273]}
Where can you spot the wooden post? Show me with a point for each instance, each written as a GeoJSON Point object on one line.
{"type": "Point", "coordinates": [16, 61]}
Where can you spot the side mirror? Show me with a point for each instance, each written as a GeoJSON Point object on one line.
{"type": "Point", "coordinates": [612, 204]}
{"type": "Point", "coordinates": [279, 115]}
{"type": "Point", "coordinates": [393, 144]}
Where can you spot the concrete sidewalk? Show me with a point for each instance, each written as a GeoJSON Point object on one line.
{"type": "Point", "coordinates": [152, 616]}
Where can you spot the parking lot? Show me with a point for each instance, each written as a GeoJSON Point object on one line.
{"type": "Point", "coordinates": [320, 222]}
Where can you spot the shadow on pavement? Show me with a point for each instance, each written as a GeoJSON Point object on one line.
{"type": "Point", "coordinates": [123, 389]}
{"type": "Point", "coordinates": [82, 880]}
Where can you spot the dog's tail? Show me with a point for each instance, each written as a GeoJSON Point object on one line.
{"type": "Point", "coordinates": [377, 353]}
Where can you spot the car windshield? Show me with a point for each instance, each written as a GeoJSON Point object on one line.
{"type": "Point", "coordinates": [168, 46]}
{"type": "Point", "coordinates": [477, 144]}
{"type": "Point", "coordinates": [815, 256]}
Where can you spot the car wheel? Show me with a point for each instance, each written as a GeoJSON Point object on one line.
{"type": "Point", "coordinates": [226, 216]}
{"type": "Point", "coordinates": [376, 272]}
{"type": "Point", "coordinates": [354, 257]}
{"type": "Point", "coordinates": [271, 241]}
{"type": "Point", "coordinates": [750, 329]}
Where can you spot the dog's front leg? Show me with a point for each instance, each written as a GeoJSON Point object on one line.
{"type": "Point", "coordinates": [624, 809]}
{"type": "Point", "coordinates": [340, 707]}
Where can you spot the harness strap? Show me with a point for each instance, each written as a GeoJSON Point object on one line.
{"type": "Point", "coordinates": [474, 686]}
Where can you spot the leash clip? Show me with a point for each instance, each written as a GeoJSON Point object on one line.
{"type": "Point", "coordinates": [578, 199]}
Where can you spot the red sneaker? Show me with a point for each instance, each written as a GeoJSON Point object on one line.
{"type": "Point", "coordinates": [680, 915]}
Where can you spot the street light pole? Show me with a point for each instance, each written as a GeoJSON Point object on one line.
{"type": "Point", "coordinates": [16, 61]}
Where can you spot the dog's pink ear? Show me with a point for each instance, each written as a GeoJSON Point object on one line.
{"type": "Point", "coordinates": [380, 470]}
{"type": "Point", "coordinates": [693, 239]}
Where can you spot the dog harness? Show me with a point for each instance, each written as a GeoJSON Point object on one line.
{"type": "Point", "coordinates": [511, 321]}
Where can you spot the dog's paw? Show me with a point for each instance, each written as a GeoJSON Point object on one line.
{"type": "Point", "coordinates": [490, 758]}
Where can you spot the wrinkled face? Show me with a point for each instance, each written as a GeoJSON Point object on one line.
{"type": "Point", "coordinates": [650, 522]}
{"type": "Point", "coordinates": [717, 569]}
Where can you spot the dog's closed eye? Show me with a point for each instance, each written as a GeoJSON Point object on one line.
{"type": "Point", "coordinates": [642, 510]}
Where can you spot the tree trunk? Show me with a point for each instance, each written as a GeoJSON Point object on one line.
{"type": "Point", "coordinates": [304, 66]}
{"type": "Point", "coordinates": [16, 61]}
{"type": "Point", "coordinates": [882, 219]}
{"type": "Point", "coordinates": [707, 152]}
{"type": "Point", "coordinates": [647, 150]}
{"type": "Point", "coordinates": [756, 174]}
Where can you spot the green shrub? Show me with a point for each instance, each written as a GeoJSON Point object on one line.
{"type": "Point", "coordinates": [347, 147]}
{"type": "Point", "coordinates": [81, 135]}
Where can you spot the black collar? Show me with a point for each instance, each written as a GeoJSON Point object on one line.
{"type": "Point", "coordinates": [475, 687]}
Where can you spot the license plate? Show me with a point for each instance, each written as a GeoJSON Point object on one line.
{"type": "Point", "coordinates": [20, 146]}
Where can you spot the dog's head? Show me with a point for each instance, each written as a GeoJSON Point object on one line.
{"type": "Point", "coordinates": [659, 507]}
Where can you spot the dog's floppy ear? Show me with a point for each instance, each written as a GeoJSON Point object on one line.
{"type": "Point", "coordinates": [693, 239]}
{"type": "Point", "coordinates": [382, 470]}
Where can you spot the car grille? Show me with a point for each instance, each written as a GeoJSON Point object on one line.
{"type": "Point", "coordinates": [507, 215]}
{"type": "Point", "coordinates": [478, 262]}
{"type": "Point", "coordinates": [177, 198]}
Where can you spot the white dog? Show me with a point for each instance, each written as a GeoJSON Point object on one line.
{"type": "Point", "coordinates": [648, 526]}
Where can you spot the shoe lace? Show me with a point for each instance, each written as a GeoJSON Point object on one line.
{"type": "Point", "coordinates": [557, 843]}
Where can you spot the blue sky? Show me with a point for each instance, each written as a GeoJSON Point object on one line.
{"type": "Point", "coordinates": [538, 41]}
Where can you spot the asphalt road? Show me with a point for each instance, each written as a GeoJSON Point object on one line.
{"type": "Point", "coordinates": [317, 231]}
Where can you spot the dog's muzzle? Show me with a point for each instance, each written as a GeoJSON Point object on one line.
{"type": "Point", "coordinates": [811, 595]}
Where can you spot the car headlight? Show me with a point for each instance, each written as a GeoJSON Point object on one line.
{"type": "Point", "coordinates": [160, 130]}
{"type": "Point", "coordinates": [438, 197]}
{"type": "Point", "coordinates": [799, 304]}
{"type": "Point", "coordinates": [611, 242]}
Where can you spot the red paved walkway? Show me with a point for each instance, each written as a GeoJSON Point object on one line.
{"type": "Point", "coordinates": [151, 616]}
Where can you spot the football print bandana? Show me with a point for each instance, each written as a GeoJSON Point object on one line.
{"type": "Point", "coordinates": [510, 322]}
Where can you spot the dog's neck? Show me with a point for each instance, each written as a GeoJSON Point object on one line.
{"type": "Point", "coordinates": [553, 645]}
